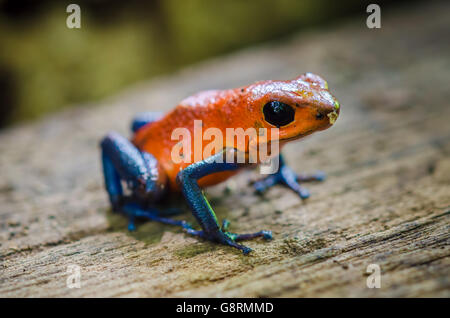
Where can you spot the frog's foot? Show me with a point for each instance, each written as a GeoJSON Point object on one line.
{"type": "Point", "coordinates": [287, 177]}
{"type": "Point", "coordinates": [267, 235]}
{"type": "Point", "coordinates": [134, 211]}
{"type": "Point", "coordinates": [228, 238]}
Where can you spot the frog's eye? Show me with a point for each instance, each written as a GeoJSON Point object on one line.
{"type": "Point", "coordinates": [278, 114]}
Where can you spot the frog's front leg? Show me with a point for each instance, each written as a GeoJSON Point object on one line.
{"type": "Point", "coordinates": [139, 169]}
{"type": "Point", "coordinates": [201, 209]}
{"type": "Point", "coordinates": [287, 177]}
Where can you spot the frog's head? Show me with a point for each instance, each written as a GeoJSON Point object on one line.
{"type": "Point", "coordinates": [297, 107]}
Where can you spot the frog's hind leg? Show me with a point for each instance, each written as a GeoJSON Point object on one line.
{"type": "Point", "coordinates": [123, 161]}
{"type": "Point", "coordinates": [142, 119]}
{"type": "Point", "coordinates": [135, 211]}
{"type": "Point", "coordinates": [287, 177]}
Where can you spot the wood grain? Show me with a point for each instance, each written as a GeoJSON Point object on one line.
{"type": "Point", "coordinates": [386, 201]}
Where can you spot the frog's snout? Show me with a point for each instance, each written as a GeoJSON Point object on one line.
{"type": "Point", "coordinates": [332, 117]}
{"type": "Point", "coordinates": [334, 114]}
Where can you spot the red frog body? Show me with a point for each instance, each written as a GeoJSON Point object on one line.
{"type": "Point", "coordinates": [237, 108]}
{"type": "Point", "coordinates": [296, 107]}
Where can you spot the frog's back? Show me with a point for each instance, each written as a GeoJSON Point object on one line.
{"type": "Point", "coordinates": [211, 107]}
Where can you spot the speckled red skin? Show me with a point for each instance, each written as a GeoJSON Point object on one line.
{"type": "Point", "coordinates": [237, 108]}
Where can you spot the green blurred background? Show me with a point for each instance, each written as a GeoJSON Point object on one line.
{"type": "Point", "coordinates": [45, 66]}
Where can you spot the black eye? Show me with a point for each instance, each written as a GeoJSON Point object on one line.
{"type": "Point", "coordinates": [320, 116]}
{"type": "Point", "coordinates": [278, 114]}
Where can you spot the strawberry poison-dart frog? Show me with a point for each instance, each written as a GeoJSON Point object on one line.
{"type": "Point", "coordinates": [146, 164]}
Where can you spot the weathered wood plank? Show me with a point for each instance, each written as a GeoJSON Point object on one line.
{"type": "Point", "coordinates": [386, 202]}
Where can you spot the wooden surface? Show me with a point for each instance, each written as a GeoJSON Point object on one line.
{"type": "Point", "coordinates": [386, 200]}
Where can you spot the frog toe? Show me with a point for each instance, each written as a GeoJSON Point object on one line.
{"type": "Point", "coordinates": [267, 235]}
{"type": "Point", "coordinates": [262, 185]}
{"type": "Point", "coordinates": [303, 193]}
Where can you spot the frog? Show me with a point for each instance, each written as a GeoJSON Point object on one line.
{"type": "Point", "coordinates": [139, 172]}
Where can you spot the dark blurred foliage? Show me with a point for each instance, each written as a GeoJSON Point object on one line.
{"type": "Point", "coordinates": [45, 66]}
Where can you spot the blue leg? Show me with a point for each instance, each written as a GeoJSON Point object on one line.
{"type": "Point", "coordinates": [135, 211]}
{"type": "Point", "coordinates": [112, 182]}
{"type": "Point", "coordinates": [143, 119]}
{"type": "Point", "coordinates": [123, 161]}
{"type": "Point", "coordinates": [201, 209]}
{"type": "Point", "coordinates": [289, 178]}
